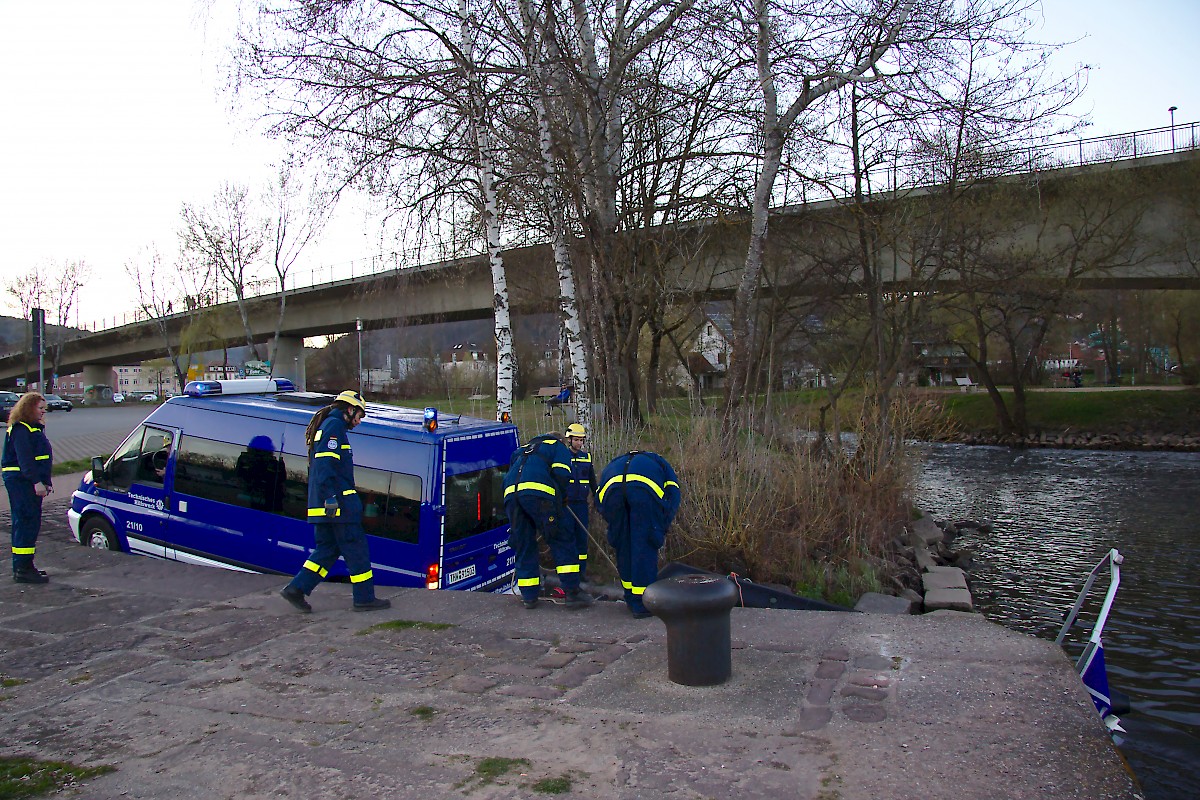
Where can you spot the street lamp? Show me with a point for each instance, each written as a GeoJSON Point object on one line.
{"type": "Point", "coordinates": [1172, 111]}
{"type": "Point", "coordinates": [358, 326]}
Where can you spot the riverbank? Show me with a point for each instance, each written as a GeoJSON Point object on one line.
{"type": "Point", "coordinates": [202, 683]}
{"type": "Point", "coordinates": [1100, 418]}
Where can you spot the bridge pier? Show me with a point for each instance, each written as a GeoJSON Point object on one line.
{"type": "Point", "coordinates": [289, 360]}
{"type": "Point", "coordinates": [98, 374]}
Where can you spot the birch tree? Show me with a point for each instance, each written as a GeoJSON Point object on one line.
{"type": "Point", "coordinates": [398, 96]}
{"type": "Point", "coordinates": [556, 210]}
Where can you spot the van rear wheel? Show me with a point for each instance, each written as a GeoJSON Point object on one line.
{"type": "Point", "coordinates": [98, 534]}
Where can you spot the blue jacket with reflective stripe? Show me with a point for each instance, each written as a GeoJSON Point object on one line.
{"type": "Point", "coordinates": [331, 473]}
{"type": "Point", "coordinates": [658, 474]}
{"type": "Point", "coordinates": [27, 454]}
{"type": "Point", "coordinates": [583, 478]}
{"type": "Point", "coordinates": [542, 466]}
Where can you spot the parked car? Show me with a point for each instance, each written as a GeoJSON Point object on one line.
{"type": "Point", "coordinates": [118, 397]}
{"type": "Point", "coordinates": [149, 398]}
{"type": "Point", "coordinates": [56, 403]}
{"type": "Point", "coordinates": [7, 401]}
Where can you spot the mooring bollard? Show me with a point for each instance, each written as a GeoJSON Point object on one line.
{"type": "Point", "coordinates": [695, 609]}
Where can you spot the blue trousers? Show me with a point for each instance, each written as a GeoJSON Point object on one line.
{"type": "Point", "coordinates": [531, 513]}
{"type": "Point", "coordinates": [26, 521]}
{"type": "Point", "coordinates": [348, 541]}
{"type": "Point", "coordinates": [580, 527]}
{"type": "Point", "coordinates": [636, 533]}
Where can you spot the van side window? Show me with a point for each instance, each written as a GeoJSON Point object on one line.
{"type": "Point", "coordinates": [391, 503]}
{"type": "Point", "coordinates": [261, 479]}
{"type": "Point", "coordinates": [226, 473]}
{"type": "Point", "coordinates": [474, 502]}
{"type": "Point", "coordinates": [295, 487]}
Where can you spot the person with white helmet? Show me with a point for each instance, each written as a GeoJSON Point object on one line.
{"type": "Point", "coordinates": [334, 507]}
{"type": "Point", "coordinates": [581, 487]}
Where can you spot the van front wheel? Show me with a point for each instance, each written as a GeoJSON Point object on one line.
{"type": "Point", "coordinates": [98, 534]}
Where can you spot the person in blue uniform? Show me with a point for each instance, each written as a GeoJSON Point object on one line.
{"type": "Point", "coordinates": [535, 490]}
{"type": "Point", "coordinates": [334, 507]}
{"type": "Point", "coordinates": [582, 486]}
{"type": "Point", "coordinates": [639, 497]}
{"type": "Point", "coordinates": [27, 463]}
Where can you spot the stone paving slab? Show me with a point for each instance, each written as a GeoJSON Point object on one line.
{"type": "Point", "coordinates": [202, 683]}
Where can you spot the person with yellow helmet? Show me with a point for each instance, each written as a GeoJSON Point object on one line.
{"type": "Point", "coordinates": [581, 487]}
{"type": "Point", "coordinates": [535, 489]}
{"type": "Point", "coordinates": [334, 507]}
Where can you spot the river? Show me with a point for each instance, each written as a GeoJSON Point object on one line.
{"type": "Point", "coordinates": [1054, 514]}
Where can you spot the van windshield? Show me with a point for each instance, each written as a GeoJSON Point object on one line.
{"type": "Point", "coordinates": [475, 502]}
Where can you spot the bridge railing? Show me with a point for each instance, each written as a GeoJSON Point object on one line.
{"type": "Point", "coordinates": [902, 176]}
{"type": "Point", "coordinates": [906, 174]}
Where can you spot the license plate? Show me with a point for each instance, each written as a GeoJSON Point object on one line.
{"type": "Point", "coordinates": [461, 574]}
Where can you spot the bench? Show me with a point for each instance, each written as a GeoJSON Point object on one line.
{"type": "Point", "coordinates": [554, 396]}
{"type": "Point", "coordinates": [965, 384]}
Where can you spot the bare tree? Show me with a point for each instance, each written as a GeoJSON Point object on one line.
{"type": "Point", "coordinates": [296, 220]}
{"type": "Point", "coordinates": [169, 296]}
{"type": "Point", "coordinates": [229, 235]}
{"type": "Point", "coordinates": [56, 285]}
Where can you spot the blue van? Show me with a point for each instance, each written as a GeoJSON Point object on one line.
{"type": "Point", "coordinates": [219, 476]}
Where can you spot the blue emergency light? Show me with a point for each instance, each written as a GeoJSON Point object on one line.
{"type": "Point", "coordinates": [431, 421]}
{"type": "Point", "coordinates": [238, 386]}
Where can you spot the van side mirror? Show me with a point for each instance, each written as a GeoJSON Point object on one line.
{"type": "Point", "coordinates": [98, 468]}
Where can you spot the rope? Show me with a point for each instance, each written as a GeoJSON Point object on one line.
{"type": "Point", "coordinates": [737, 581]}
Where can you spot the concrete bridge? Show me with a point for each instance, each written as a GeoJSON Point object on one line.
{"type": "Point", "coordinates": [807, 242]}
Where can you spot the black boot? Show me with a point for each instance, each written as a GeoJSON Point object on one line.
{"type": "Point", "coordinates": [296, 598]}
{"type": "Point", "coordinates": [578, 599]}
{"type": "Point", "coordinates": [373, 605]}
{"type": "Point", "coordinates": [29, 575]}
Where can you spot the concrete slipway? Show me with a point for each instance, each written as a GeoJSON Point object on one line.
{"type": "Point", "coordinates": [201, 683]}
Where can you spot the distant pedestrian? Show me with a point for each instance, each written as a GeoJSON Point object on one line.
{"type": "Point", "coordinates": [535, 490]}
{"type": "Point", "coordinates": [639, 497]}
{"type": "Point", "coordinates": [581, 488]}
{"type": "Point", "coordinates": [334, 507]}
{"type": "Point", "coordinates": [27, 463]}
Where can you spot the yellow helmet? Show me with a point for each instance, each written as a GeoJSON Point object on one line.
{"type": "Point", "coordinates": [576, 431]}
{"type": "Point", "coordinates": [353, 399]}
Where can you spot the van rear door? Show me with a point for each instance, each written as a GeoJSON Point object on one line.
{"type": "Point", "coordinates": [475, 553]}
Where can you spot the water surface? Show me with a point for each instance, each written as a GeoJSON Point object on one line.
{"type": "Point", "coordinates": [1054, 515]}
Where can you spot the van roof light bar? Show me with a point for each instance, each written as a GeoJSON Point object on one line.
{"type": "Point", "coordinates": [238, 386]}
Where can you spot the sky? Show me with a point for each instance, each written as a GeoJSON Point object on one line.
{"type": "Point", "coordinates": [114, 117]}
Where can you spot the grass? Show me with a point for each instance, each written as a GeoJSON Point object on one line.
{"type": "Point", "coordinates": [404, 625]}
{"type": "Point", "coordinates": [491, 769]}
{"type": "Point", "coordinates": [1095, 411]}
{"type": "Point", "coordinates": [29, 777]}
{"type": "Point", "coordinates": [559, 785]}
{"type": "Point", "coordinates": [8, 682]}
{"type": "Point", "coordinates": [423, 713]}
{"type": "Point", "coordinates": [70, 467]}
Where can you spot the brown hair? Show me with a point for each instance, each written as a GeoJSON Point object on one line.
{"type": "Point", "coordinates": [319, 418]}
{"type": "Point", "coordinates": [26, 408]}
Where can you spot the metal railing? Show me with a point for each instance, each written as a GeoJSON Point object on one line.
{"type": "Point", "coordinates": [897, 177]}
{"type": "Point", "coordinates": [907, 173]}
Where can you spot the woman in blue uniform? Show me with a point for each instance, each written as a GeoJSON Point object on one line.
{"type": "Point", "coordinates": [334, 507]}
{"type": "Point", "coordinates": [27, 463]}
